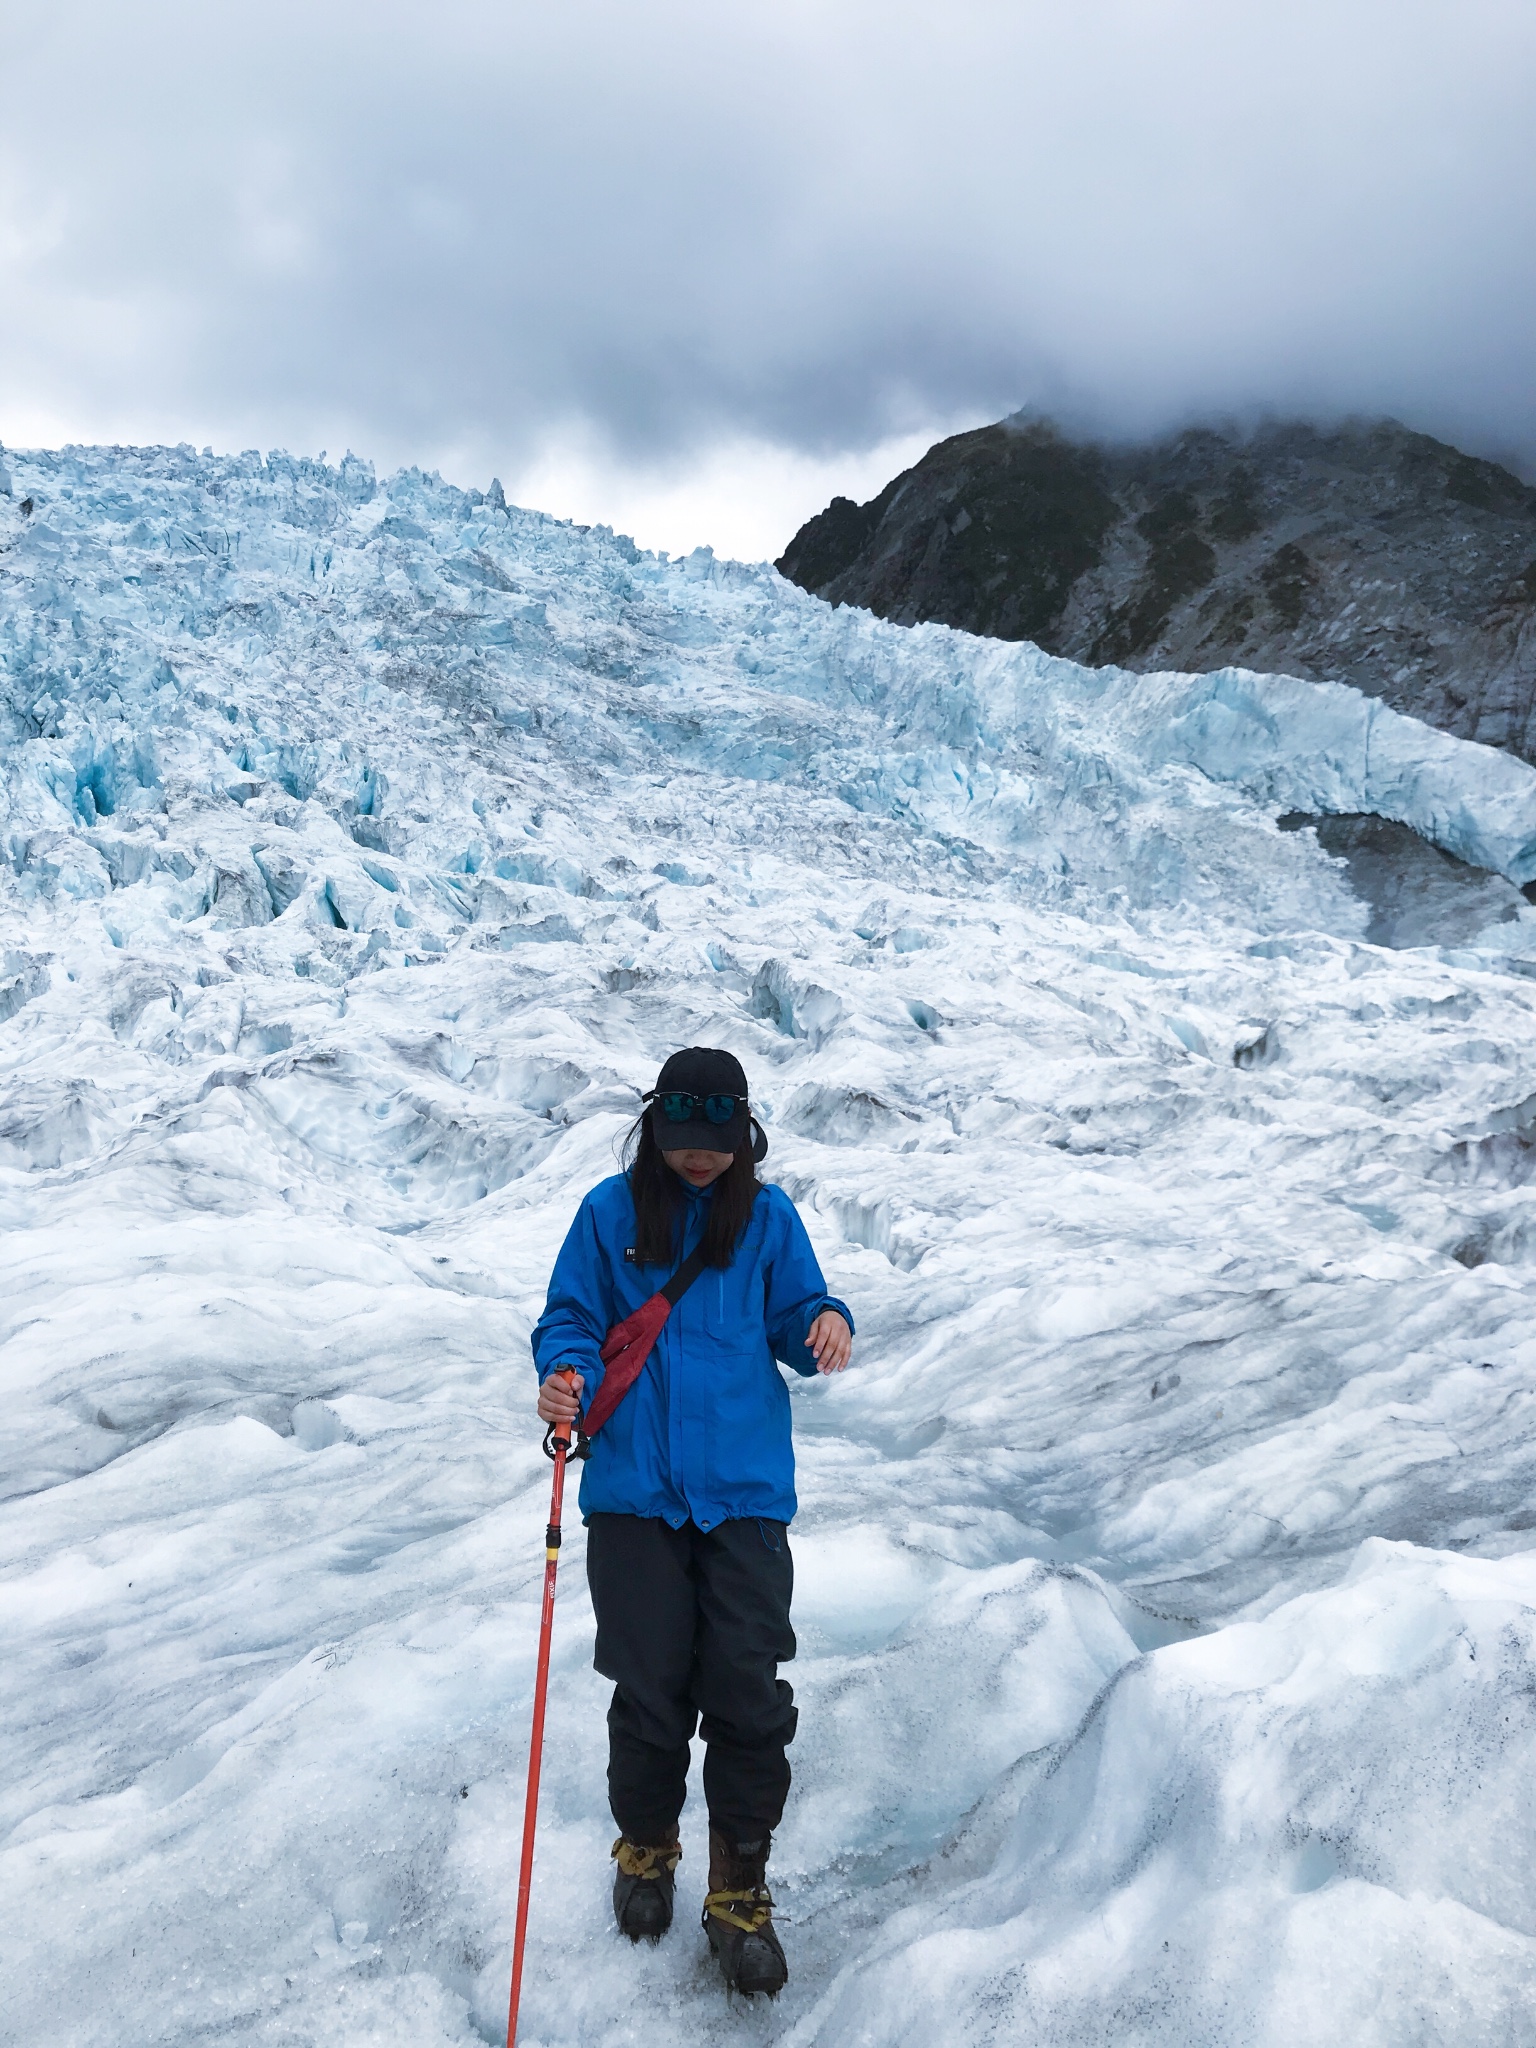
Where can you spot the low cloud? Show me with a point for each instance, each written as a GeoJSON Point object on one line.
{"type": "Point", "coordinates": [480, 234]}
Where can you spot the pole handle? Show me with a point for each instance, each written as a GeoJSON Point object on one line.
{"type": "Point", "coordinates": [562, 1430]}
{"type": "Point", "coordinates": [557, 1437]}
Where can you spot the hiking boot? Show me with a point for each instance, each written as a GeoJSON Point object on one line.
{"type": "Point", "coordinates": [738, 1917]}
{"type": "Point", "coordinates": [642, 1887]}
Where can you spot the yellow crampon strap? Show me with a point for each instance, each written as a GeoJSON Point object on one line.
{"type": "Point", "coordinates": [637, 1861]}
{"type": "Point", "coordinates": [758, 1903]}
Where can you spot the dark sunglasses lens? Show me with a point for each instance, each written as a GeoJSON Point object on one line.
{"type": "Point", "coordinates": [719, 1108]}
{"type": "Point", "coordinates": [677, 1109]}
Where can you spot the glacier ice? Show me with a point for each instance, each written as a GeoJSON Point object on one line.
{"type": "Point", "coordinates": [1164, 1594]}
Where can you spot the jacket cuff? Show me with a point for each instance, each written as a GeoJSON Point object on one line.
{"type": "Point", "coordinates": [831, 1301]}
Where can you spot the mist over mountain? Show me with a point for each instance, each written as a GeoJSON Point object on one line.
{"type": "Point", "coordinates": [1363, 553]}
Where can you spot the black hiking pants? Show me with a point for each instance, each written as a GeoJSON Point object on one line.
{"type": "Point", "coordinates": [692, 1626]}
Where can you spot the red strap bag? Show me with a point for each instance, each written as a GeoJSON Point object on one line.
{"type": "Point", "coordinates": [628, 1344]}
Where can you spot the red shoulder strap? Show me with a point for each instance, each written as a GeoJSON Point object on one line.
{"type": "Point", "coordinates": [628, 1344]}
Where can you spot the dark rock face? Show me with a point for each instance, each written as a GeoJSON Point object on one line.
{"type": "Point", "coordinates": [1365, 553]}
{"type": "Point", "coordinates": [1417, 894]}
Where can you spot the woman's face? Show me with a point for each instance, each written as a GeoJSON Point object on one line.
{"type": "Point", "coordinates": [698, 1168]}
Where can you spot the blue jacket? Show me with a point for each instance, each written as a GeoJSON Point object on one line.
{"type": "Point", "coordinates": [704, 1433]}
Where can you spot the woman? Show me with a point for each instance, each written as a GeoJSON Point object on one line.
{"type": "Point", "coordinates": [689, 1490]}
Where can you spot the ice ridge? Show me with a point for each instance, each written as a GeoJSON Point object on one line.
{"type": "Point", "coordinates": [141, 584]}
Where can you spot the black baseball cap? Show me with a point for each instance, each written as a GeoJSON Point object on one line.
{"type": "Point", "coordinates": [704, 1070]}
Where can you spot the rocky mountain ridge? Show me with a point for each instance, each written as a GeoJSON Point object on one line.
{"type": "Point", "coordinates": [1365, 554]}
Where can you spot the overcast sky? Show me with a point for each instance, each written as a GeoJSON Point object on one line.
{"type": "Point", "coordinates": [690, 268]}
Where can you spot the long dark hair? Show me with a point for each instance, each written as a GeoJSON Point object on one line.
{"type": "Point", "coordinates": [658, 1196]}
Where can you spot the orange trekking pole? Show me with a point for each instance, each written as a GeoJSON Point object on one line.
{"type": "Point", "coordinates": [557, 1445]}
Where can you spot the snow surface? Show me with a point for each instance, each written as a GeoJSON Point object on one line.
{"type": "Point", "coordinates": [1165, 1593]}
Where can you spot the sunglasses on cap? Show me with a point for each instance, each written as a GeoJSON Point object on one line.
{"type": "Point", "coordinates": [681, 1108]}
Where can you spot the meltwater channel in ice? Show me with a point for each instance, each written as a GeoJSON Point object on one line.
{"type": "Point", "coordinates": [1165, 1584]}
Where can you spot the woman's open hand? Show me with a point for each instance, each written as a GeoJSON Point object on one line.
{"type": "Point", "coordinates": [830, 1340]}
{"type": "Point", "coordinates": [560, 1398]}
